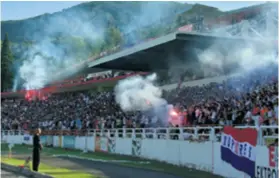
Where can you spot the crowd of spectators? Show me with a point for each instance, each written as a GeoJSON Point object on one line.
{"type": "Point", "coordinates": [250, 99]}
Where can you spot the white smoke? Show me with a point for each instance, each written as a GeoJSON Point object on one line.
{"type": "Point", "coordinates": [138, 93]}
{"type": "Point", "coordinates": [257, 51]}
{"type": "Point", "coordinates": [88, 28]}
{"type": "Point", "coordinates": [53, 55]}
{"type": "Point", "coordinates": [162, 13]}
{"type": "Point", "coordinates": [34, 73]}
{"type": "Point", "coordinates": [42, 67]}
{"type": "Point", "coordinates": [244, 58]}
{"type": "Point", "coordinates": [251, 58]}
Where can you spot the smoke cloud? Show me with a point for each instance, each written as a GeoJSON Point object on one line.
{"type": "Point", "coordinates": [163, 14]}
{"type": "Point", "coordinates": [44, 64]}
{"type": "Point", "coordinates": [245, 59]}
{"type": "Point", "coordinates": [139, 93]}
{"type": "Point", "coordinates": [249, 55]}
{"type": "Point", "coordinates": [75, 23]}
{"type": "Point", "coordinates": [48, 60]}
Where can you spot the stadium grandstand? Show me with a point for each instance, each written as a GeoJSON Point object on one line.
{"type": "Point", "coordinates": [86, 101]}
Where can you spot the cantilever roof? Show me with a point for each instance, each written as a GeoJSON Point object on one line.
{"type": "Point", "coordinates": [154, 54]}
{"type": "Point", "coordinates": [135, 48]}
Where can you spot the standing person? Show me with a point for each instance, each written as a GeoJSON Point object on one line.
{"type": "Point", "coordinates": [37, 147]}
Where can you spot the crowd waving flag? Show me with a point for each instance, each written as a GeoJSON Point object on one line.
{"type": "Point", "coordinates": [238, 147]}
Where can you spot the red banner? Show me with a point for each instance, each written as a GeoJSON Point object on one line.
{"type": "Point", "coordinates": [186, 28]}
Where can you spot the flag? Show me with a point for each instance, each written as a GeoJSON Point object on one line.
{"type": "Point", "coordinates": [238, 147]}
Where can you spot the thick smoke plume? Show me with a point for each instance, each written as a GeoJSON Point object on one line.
{"type": "Point", "coordinates": [245, 59]}
{"type": "Point", "coordinates": [141, 94]}
{"type": "Point", "coordinates": [248, 55]}
{"type": "Point", "coordinates": [46, 61]}
{"type": "Point", "coordinates": [138, 93]}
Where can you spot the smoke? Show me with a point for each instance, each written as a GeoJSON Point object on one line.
{"type": "Point", "coordinates": [58, 47]}
{"type": "Point", "coordinates": [245, 58]}
{"type": "Point", "coordinates": [249, 55]}
{"type": "Point", "coordinates": [139, 93]}
{"type": "Point", "coordinates": [143, 18]}
{"type": "Point", "coordinates": [73, 27]}
{"type": "Point", "coordinates": [45, 63]}
{"type": "Point", "coordinates": [163, 14]}
{"type": "Point", "coordinates": [222, 57]}
{"type": "Point", "coordinates": [15, 83]}
{"type": "Point", "coordinates": [34, 73]}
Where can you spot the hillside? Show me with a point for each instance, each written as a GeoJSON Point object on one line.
{"type": "Point", "coordinates": [200, 11]}
{"type": "Point", "coordinates": [89, 28]}
{"type": "Point", "coordinates": [208, 13]}
{"type": "Point", "coordinates": [124, 15]}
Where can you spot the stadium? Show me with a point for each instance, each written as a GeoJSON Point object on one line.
{"type": "Point", "coordinates": [190, 104]}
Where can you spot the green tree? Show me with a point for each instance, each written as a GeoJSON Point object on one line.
{"type": "Point", "coordinates": [6, 65]}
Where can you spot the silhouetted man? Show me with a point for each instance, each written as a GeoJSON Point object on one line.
{"type": "Point", "coordinates": [37, 147]}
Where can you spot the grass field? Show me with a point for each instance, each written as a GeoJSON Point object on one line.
{"type": "Point", "coordinates": [133, 161]}
{"type": "Point", "coordinates": [50, 170]}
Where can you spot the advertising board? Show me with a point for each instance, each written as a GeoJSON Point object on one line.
{"type": "Point", "coordinates": [69, 142]}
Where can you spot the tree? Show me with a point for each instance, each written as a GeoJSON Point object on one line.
{"type": "Point", "coordinates": [6, 65]}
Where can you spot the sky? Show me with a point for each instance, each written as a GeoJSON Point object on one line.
{"type": "Point", "coordinates": [15, 10]}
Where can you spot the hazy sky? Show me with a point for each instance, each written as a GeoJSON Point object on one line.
{"type": "Point", "coordinates": [14, 10]}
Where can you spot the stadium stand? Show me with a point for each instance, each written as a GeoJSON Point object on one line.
{"type": "Point", "coordinates": [244, 99]}
{"type": "Point", "coordinates": [240, 100]}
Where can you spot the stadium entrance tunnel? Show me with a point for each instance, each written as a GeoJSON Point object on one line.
{"type": "Point", "coordinates": [175, 48]}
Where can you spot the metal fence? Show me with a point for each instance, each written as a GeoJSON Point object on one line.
{"type": "Point", "coordinates": [266, 134]}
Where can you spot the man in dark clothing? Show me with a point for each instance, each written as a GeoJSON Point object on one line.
{"type": "Point", "coordinates": [37, 147]}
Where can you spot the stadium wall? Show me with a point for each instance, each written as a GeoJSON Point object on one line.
{"type": "Point", "coordinates": [204, 156]}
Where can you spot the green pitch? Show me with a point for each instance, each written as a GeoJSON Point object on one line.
{"type": "Point", "coordinates": [50, 170]}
